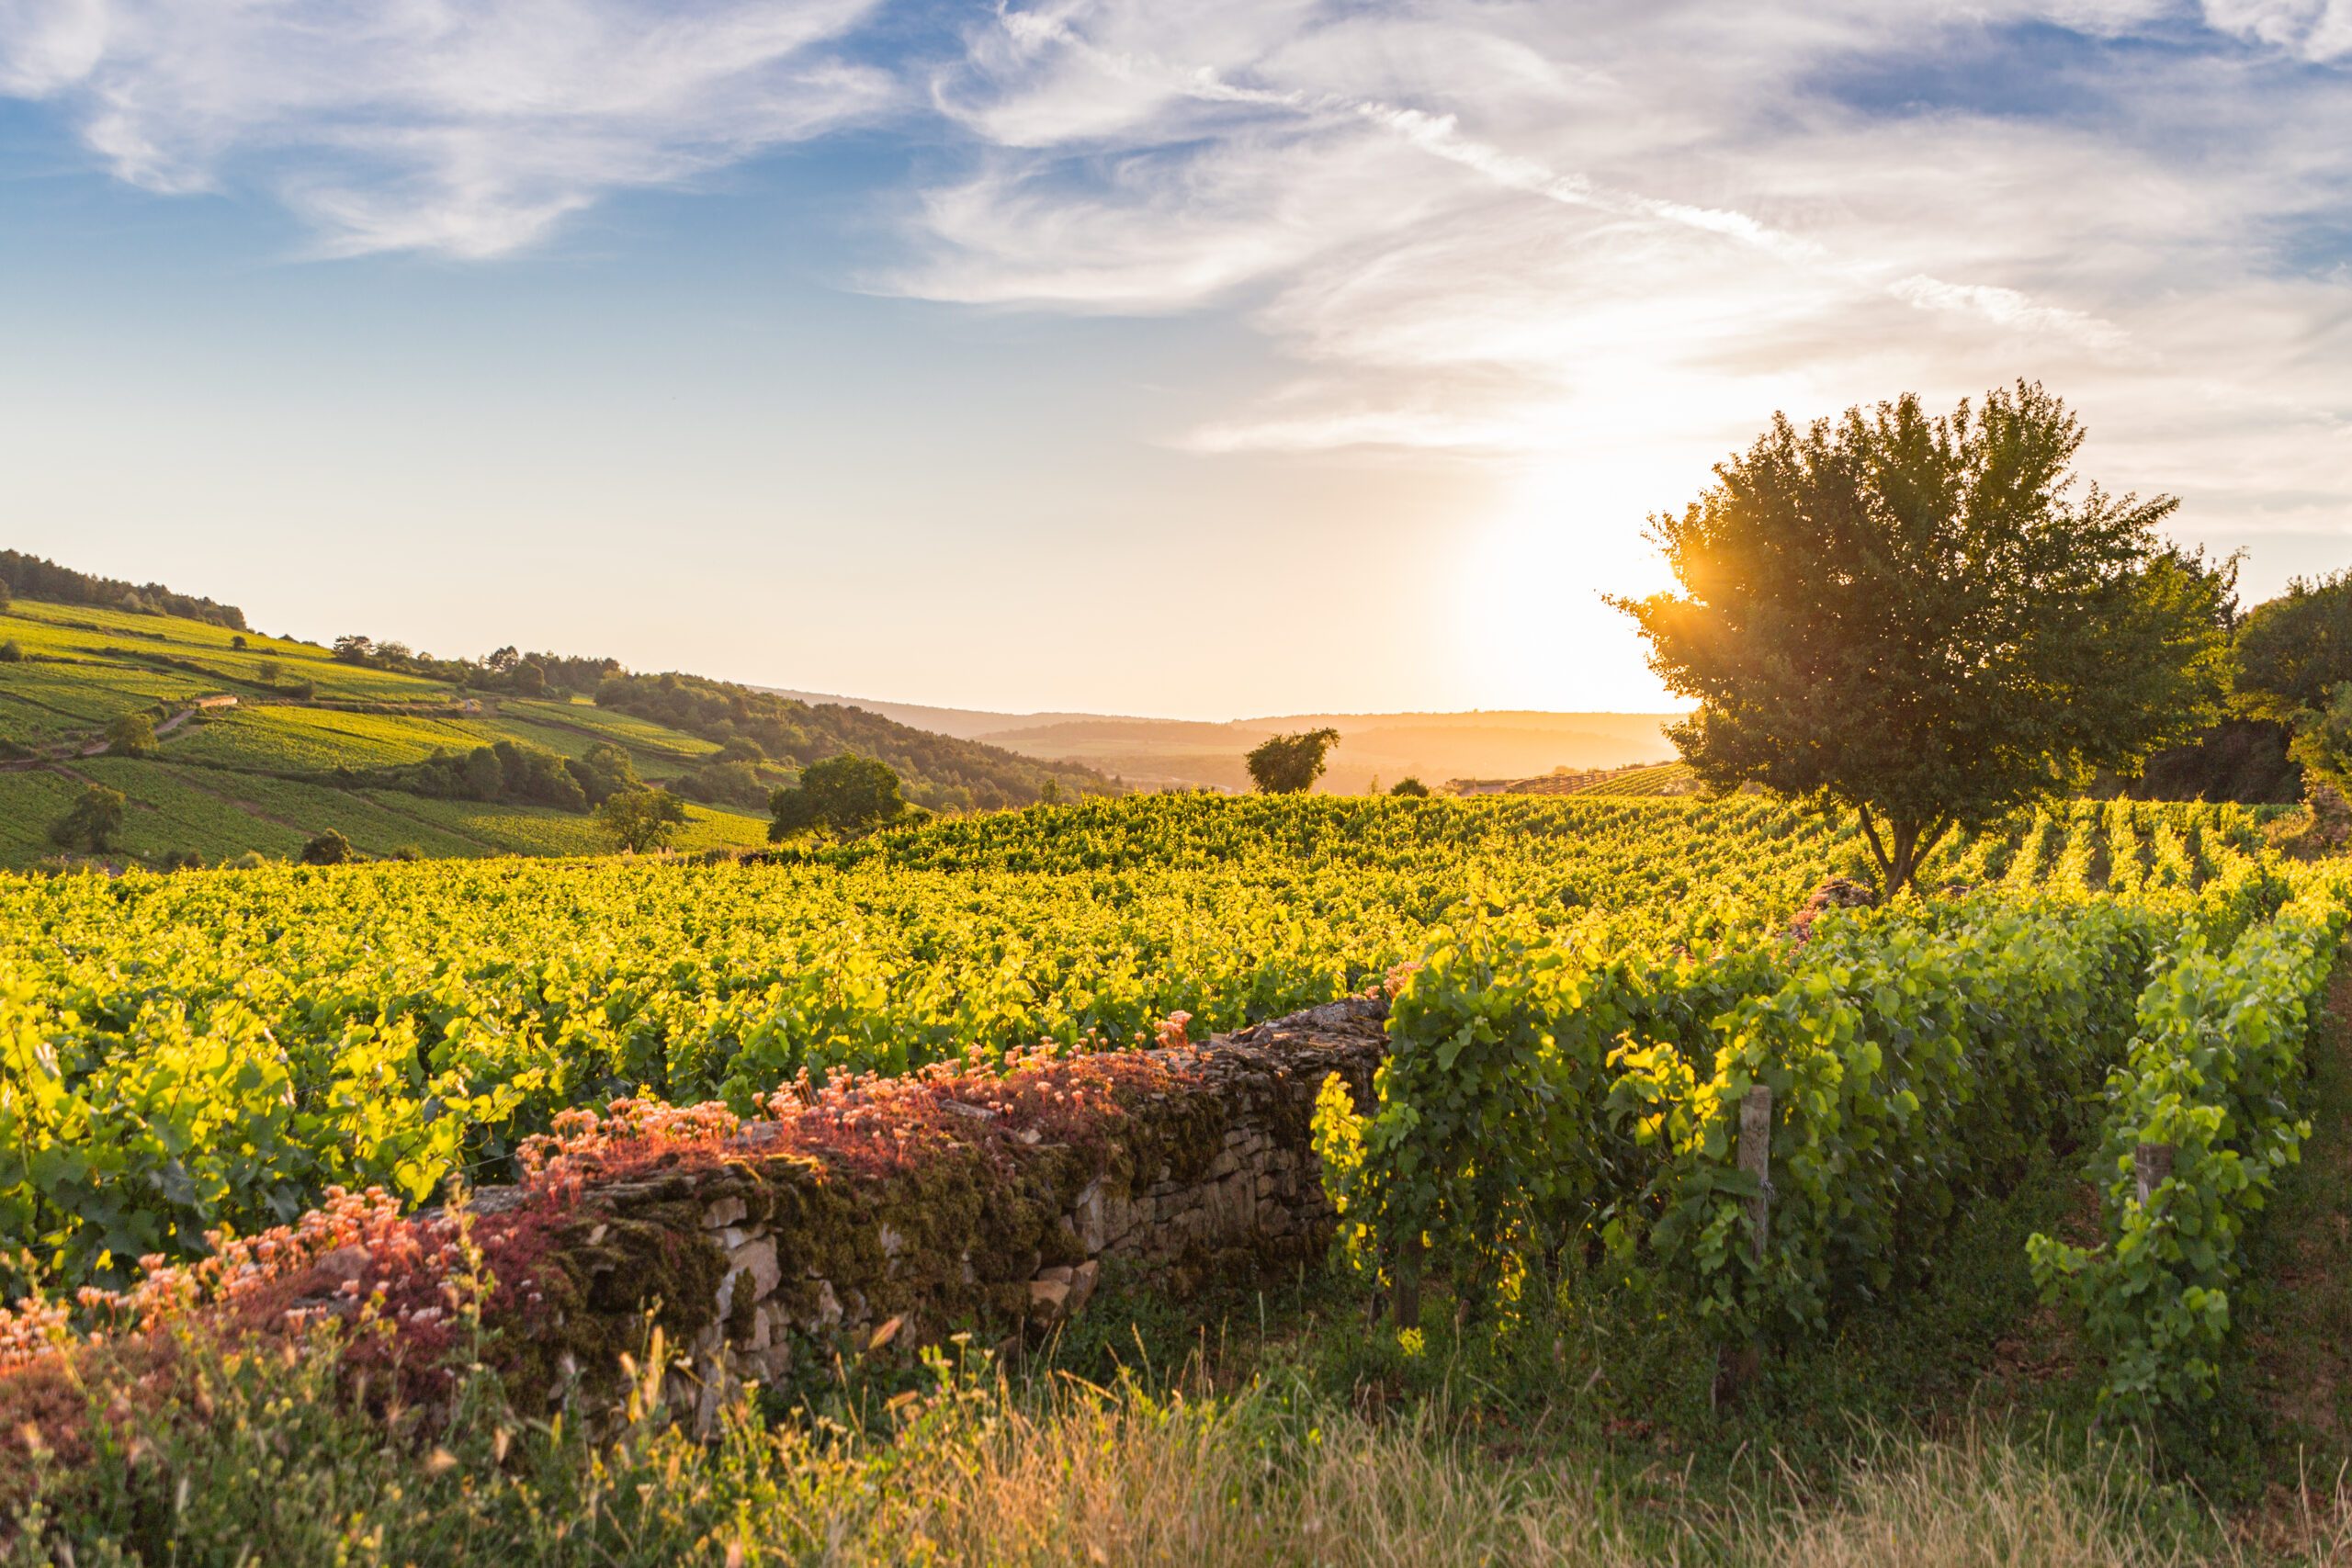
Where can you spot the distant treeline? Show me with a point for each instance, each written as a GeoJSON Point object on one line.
{"type": "Point", "coordinates": [507, 771]}
{"type": "Point", "coordinates": [936, 770]}
{"type": "Point", "coordinates": [31, 577]}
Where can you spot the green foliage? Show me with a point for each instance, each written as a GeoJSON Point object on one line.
{"type": "Point", "coordinates": [132, 735]}
{"type": "Point", "coordinates": [1915, 619]}
{"type": "Point", "coordinates": [1289, 765]}
{"type": "Point", "coordinates": [2295, 650]}
{"type": "Point", "coordinates": [2323, 742]}
{"type": "Point", "coordinates": [641, 819]}
{"type": "Point", "coordinates": [92, 822]}
{"type": "Point", "coordinates": [936, 770]}
{"type": "Point", "coordinates": [31, 577]}
{"type": "Point", "coordinates": [847, 795]}
{"type": "Point", "coordinates": [1543, 1099]}
{"type": "Point", "coordinates": [330, 847]}
{"type": "Point", "coordinates": [2213, 1075]}
{"type": "Point", "coordinates": [12, 652]}
{"type": "Point", "coordinates": [1410, 788]}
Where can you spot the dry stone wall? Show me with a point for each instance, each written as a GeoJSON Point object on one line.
{"type": "Point", "coordinates": [760, 1264]}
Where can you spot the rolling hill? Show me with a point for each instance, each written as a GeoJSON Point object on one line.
{"type": "Point", "coordinates": [1434, 747]}
{"type": "Point", "coordinates": [262, 742]}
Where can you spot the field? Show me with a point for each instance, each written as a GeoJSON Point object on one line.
{"type": "Point", "coordinates": [1969, 1307]}
{"type": "Point", "coordinates": [257, 775]}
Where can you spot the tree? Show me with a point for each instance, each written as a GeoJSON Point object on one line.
{"type": "Point", "coordinates": [12, 652]}
{"type": "Point", "coordinates": [530, 681]}
{"type": "Point", "coordinates": [641, 819]}
{"type": "Point", "coordinates": [1917, 619]}
{"type": "Point", "coordinates": [1411, 787]}
{"type": "Point", "coordinates": [92, 822]}
{"type": "Point", "coordinates": [329, 848]}
{"type": "Point", "coordinates": [132, 735]}
{"type": "Point", "coordinates": [847, 794]}
{"type": "Point", "coordinates": [353, 649]}
{"type": "Point", "coordinates": [2294, 650]}
{"type": "Point", "coordinates": [1289, 765]}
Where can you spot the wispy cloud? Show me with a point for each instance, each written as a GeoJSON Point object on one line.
{"type": "Point", "coordinates": [437, 125]}
{"type": "Point", "coordinates": [1618, 237]}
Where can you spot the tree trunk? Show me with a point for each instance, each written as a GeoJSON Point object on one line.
{"type": "Point", "coordinates": [1907, 840]}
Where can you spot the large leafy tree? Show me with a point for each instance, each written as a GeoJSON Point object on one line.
{"type": "Point", "coordinates": [1922, 619]}
{"type": "Point", "coordinates": [1289, 765]}
{"type": "Point", "coordinates": [641, 819]}
{"type": "Point", "coordinates": [848, 795]}
{"type": "Point", "coordinates": [2294, 650]}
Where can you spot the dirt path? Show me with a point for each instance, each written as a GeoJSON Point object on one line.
{"type": "Point", "coordinates": [201, 704]}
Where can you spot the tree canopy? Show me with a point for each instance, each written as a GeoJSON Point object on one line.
{"type": "Point", "coordinates": [1289, 765]}
{"type": "Point", "coordinates": [641, 819]}
{"type": "Point", "coordinates": [1920, 619]}
{"type": "Point", "coordinates": [91, 822]}
{"type": "Point", "coordinates": [2294, 650]}
{"type": "Point", "coordinates": [847, 794]}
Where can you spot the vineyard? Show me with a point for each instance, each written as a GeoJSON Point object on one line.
{"type": "Point", "coordinates": [1600, 1007]}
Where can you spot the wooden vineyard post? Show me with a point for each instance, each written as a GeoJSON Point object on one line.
{"type": "Point", "coordinates": [1409, 1284]}
{"type": "Point", "coordinates": [1739, 1367]}
{"type": "Point", "coordinates": [1756, 1159]}
{"type": "Point", "coordinates": [2150, 1164]}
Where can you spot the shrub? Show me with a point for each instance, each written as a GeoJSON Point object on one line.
{"type": "Point", "coordinates": [132, 735]}
{"type": "Point", "coordinates": [641, 819]}
{"type": "Point", "coordinates": [1411, 788]}
{"type": "Point", "coordinates": [92, 822]}
{"type": "Point", "coordinates": [1289, 765]}
{"type": "Point", "coordinates": [330, 847]}
{"type": "Point", "coordinates": [12, 652]}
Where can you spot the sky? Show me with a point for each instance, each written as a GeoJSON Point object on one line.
{"type": "Point", "coordinates": [1206, 359]}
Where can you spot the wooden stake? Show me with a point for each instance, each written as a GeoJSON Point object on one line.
{"type": "Point", "coordinates": [1756, 1159]}
{"type": "Point", "coordinates": [2150, 1164]}
{"type": "Point", "coordinates": [1737, 1369]}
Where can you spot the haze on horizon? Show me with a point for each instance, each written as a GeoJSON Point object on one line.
{"type": "Point", "coordinates": [1231, 358]}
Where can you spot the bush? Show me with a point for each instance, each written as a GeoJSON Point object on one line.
{"type": "Point", "coordinates": [252, 860]}
{"type": "Point", "coordinates": [1411, 788]}
{"type": "Point", "coordinates": [92, 822]}
{"type": "Point", "coordinates": [12, 652]}
{"type": "Point", "coordinates": [182, 860]}
{"type": "Point", "coordinates": [330, 847]}
{"type": "Point", "coordinates": [1289, 765]}
{"type": "Point", "coordinates": [641, 819]}
{"type": "Point", "coordinates": [132, 735]}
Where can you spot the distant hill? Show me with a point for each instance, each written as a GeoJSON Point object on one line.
{"type": "Point", "coordinates": [262, 742]}
{"type": "Point", "coordinates": [1433, 746]}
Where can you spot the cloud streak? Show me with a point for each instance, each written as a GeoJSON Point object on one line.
{"type": "Point", "coordinates": [470, 129]}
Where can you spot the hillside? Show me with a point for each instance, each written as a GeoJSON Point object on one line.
{"type": "Point", "coordinates": [1158, 752]}
{"type": "Point", "coordinates": [262, 742]}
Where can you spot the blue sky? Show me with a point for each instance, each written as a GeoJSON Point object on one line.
{"type": "Point", "coordinates": [1210, 359]}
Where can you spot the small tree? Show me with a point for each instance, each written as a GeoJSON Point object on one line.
{"type": "Point", "coordinates": [847, 794]}
{"type": "Point", "coordinates": [238, 642]}
{"type": "Point", "coordinates": [92, 822]}
{"type": "Point", "coordinates": [641, 819]}
{"type": "Point", "coordinates": [1410, 787]}
{"type": "Point", "coordinates": [329, 848]}
{"type": "Point", "coordinates": [530, 681]}
{"type": "Point", "coordinates": [132, 735]}
{"type": "Point", "coordinates": [12, 652]}
{"type": "Point", "coordinates": [1913, 618]}
{"type": "Point", "coordinates": [1289, 765]}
